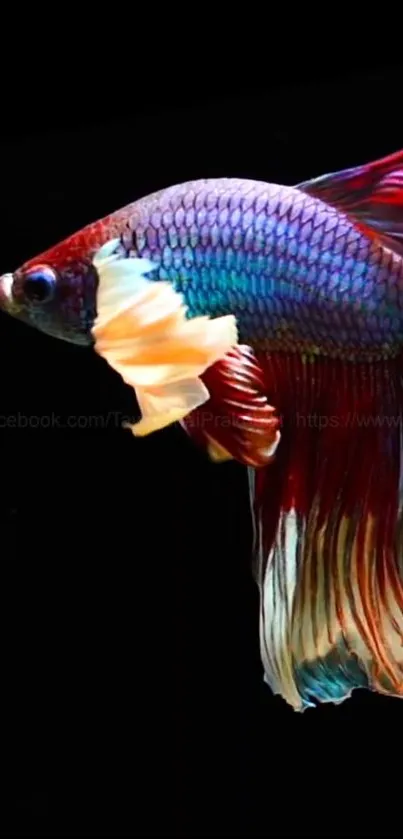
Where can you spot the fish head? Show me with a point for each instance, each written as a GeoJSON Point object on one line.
{"type": "Point", "coordinates": [56, 296]}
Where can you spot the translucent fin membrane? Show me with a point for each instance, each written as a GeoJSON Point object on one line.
{"type": "Point", "coordinates": [143, 333]}
{"type": "Point", "coordinates": [238, 421]}
{"type": "Point", "coordinates": [328, 519]}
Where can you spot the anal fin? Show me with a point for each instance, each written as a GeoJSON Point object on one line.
{"type": "Point", "coordinates": [237, 421]}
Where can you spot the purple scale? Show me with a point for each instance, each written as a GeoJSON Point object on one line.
{"type": "Point", "coordinates": [323, 278]}
{"type": "Point", "coordinates": [199, 201]}
{"type": "Point", "coordinates": [352, 249]}
{"type": "Point", "coordinates": [219, 256]}
{"type": "Point", "coordinates": [247, 220]}
{"type": "Point", "coordinates": [317, 235]}
{"type": "Point", "coordinates": [205, 234]}
{"type": "Point", "coordinates": [281, 245]}
{"type": "Point", "coordinates": [234, 201]}
{"type": "Point", "coordinates": [183, 236]}
{"type": "Point", "coordinates": [247, 201]}
{"type": "Point", "coordinates": [152, 238]}
{"type": "Point", "coordinates": [296, 208]}
{"type": "Point", "coordinates": [235, 217]}
{"type": "Point", "coordinates": [175, 200]}
{"type": "Point", "coordinates": [358, 269]}
{"type": "Point", "coordinates": [308, 212]}
{"type": "Point", "coordinates": [305, 232]}
{"type": "Point", "coordinates": [215, 235]}
{"type": "Point", "coordinates": [167, 218]}
{"type": "Point", "coordinates": [167, 257]}
{"type": "Point", "coordinates": [201, 216]}
{"type": "Point", "coordinates": [334, 281]}
{"type": "Point", "coordinates": [194, 235]}
{"type": "Point", "coordinates": [345, 285]}
{"type": "Point", "coordinates": [283, 208]}
{"type": "Point", "coordinates": [199, 255]}
{"type": "Point", "coordinates": [222, 202]}
{"type": "Point", "coordinates": [249, 239]}
{"type": "Point", "coordinates": [190, 217]}
{"type": "Point", "coordinates": [348, 265]}
{"type": "Point", "coordinates": [331, 223]}
{"type": "Point", "coordinates": [223, 216]}
{"type": "Point", "coordinates": [356, 285]}
{"type": "Point", "coordinates": [339, 245]}
{"type": "Point", "coordinates": [261, 204]}
{"type": "Point", "coordinates": [337, 261]}
{"type": "Point", "coordinates": [156, 218]}
{"type": "Point", "coordinates": [269, 244]}
{"type": "Point", "coordinates": [188, 199]}
{"type": "Point", "coordinates": [140, 237]}
{"type": "Point", "coordinates": [237, 238]}
{"type": "Point", "coordinates": [210, 200]}
{"type": "Point", "coordinates": [229, 256]}
{"type": "Point", "coordinates": [292, 247]}
{"type": "Point", "coordinates": [303, 249]}
{"type": "Point", "coordinates": [173, 237]}
{"type": "Point", "coordinates": [188, 257]}
{"type": "Point", "coordinates": [212, 216]}
{"type": "Point", "coordinates": [179, 216]}
{"type": "Point", "coordinates": [311, 275]}
{"type": "Point", "coordinates": [353, 235]}
{"type": "Point", "coordinates": [328, 240]}
{"type": "Point", "coordinates": [162, 237]}
{"type": "Point", "coordinates": [259, 241]}
{"type": "Point", "coordinates": [280, 228]}
{"type": "Point", "coordinates": [319, 218]}
{"type": "Point", "coordinates": [177, 257]}
{"type": "Point", "coordinates": [226, 235]}
{"type": "Point", "coordinates": [293, 229]}
{"type": "Point", "coordinates": [260, 221]}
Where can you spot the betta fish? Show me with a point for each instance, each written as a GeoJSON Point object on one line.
{"type": "Point", "coordinates": [268, 321]}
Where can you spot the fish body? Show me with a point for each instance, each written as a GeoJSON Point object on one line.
{"type": "Point", "coordinates": [268, 319]}
{"type": "Point", "coordinates": [297, 273]}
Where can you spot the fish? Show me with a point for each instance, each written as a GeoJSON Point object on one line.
{"type": "Point", "coordinates": [267, 320]}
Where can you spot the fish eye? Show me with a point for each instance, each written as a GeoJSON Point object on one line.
{"type": "Point", "coordinates": [39, 284]}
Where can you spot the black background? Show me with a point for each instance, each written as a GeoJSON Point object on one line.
{"type": "Point", "coordinates": [132, 692]}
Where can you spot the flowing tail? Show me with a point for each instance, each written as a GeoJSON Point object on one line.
{"type": "Point", "coordinates": [329, 526]}
{"type": "Point", "coordinates": [326, 492]}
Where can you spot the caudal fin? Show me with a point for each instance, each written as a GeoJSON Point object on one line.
{"type": "Point", "coordinates": [328, 525]}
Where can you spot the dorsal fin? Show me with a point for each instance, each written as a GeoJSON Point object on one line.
{"type": "Point", "coordinates": [371, 194]}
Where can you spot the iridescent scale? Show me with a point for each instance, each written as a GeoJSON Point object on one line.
{"type": "Point", "coordinates": [297, 273]}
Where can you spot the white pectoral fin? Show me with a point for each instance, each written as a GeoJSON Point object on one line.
{"type": "Point", "coordinates": [143, 333]}
{"type": "Point", "coordinates": [164, 405]}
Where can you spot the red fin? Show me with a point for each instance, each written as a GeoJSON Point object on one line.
{"type": "Point", "coordinates": [237, 420]}
{"type": "Point", "coordinates": [371, 195]}
{"type": "Point", "coordinates": [329, 530]}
